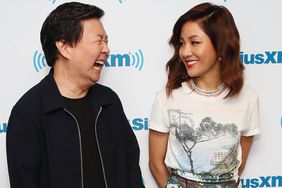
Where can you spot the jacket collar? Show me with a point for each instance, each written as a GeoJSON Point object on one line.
{"type": "Point", "coordinates": [53, 100]}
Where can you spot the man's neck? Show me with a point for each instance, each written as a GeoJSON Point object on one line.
{"type": "Point", "coordinates": [68, 86]}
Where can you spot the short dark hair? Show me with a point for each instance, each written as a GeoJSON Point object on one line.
{"type": "Point", "coordinates": [218, 23]}
{"type": "Point", "coordinates": [64, 24]}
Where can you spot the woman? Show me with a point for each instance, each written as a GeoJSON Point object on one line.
{"type": "Point", "coordinates": [202, 125]}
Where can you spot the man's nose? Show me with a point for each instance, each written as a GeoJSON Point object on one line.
{"type": "Point", "coordinates": [106, 48]}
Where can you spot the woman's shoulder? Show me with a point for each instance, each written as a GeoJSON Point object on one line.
{"type": "Point", "coordinates": [164, 95]}
{"type": "Point", "coordinates": [248, 94]}
{"type": "Point", "coordinates": [161, 94]}
{"type": "Point", "coordinates": [248, 91]}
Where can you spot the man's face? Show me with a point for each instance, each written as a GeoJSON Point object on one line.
{"type": "Point", "coordinates": [87, 57]}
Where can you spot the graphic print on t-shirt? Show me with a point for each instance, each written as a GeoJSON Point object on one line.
{"type": "Point", "coordinates": [208, 149]}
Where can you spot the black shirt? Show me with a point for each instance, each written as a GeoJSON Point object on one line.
{"type": "Point", "coordinates": [92, 168]}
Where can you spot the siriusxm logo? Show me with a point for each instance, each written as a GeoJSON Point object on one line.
{"type": "Point", "coordinates": [38, 61]}
{"type": "Point", "coordinates": [131, 59]}
{"type": "Point", "coordinates": [139, 124]}
{"type": "Point", "coordinates": [3, 127]}
{"type": "Point", "coordinates": [281, 121]}
{"type": "Point", "coordinates": [262, 181]}
{"type": "Point", "coordinates": [267, 57]}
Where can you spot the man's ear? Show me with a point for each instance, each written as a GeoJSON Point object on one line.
{"type": "Point", "coordinates": [64, 49]}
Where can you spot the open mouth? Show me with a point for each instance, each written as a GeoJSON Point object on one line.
{"type": "Point", "coordinates": [98, 65]}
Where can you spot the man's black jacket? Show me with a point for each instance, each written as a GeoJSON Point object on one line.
{"type": "Point", "coordinates": [43, 140]}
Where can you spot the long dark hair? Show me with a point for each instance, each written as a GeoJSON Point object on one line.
{"type": "Point", "coordinates": [218, 23]}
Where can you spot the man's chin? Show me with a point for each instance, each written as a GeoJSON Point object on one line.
{"type": "Point", "coordinates": [95, 80]}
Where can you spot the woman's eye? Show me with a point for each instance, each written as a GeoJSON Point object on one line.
{"type": "Point", "coordinates": [195, 42]}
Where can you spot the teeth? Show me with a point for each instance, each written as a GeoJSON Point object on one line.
{"type": "Point", "coordinates": [98, 65]}
{"type": "Point", "coordinates": [97, 68]}
{"type": "Point", "coordinates": [100, 62]}
{"type": "Point", "coordinates": [192, 62]}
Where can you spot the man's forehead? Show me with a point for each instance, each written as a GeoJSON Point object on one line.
{"type": "Point", "coordinates": [94, 28]}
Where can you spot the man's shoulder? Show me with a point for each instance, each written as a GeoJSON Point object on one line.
{"type": "Point", "coordinates": [105, 93]}
{"type": "Point", "coordinates": [30, 98]}
{"type": "Point", "coordinates": [103, 88]}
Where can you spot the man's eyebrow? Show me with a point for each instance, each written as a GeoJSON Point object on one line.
{"type": "Point", "coordinates": [102, 37]}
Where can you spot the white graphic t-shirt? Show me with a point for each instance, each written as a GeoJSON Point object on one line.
{"type": "Point", "coordinates": [204, 132]}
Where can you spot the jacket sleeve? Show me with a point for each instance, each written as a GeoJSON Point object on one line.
{"type": "Point", "coordinates": [133, 154]}
{"type": "Point", "coordinates": [134, 175]}
{"type": "Point", "coordinates": [23, 149]}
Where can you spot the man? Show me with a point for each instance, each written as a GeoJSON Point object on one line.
{"type": "Point", "coordinates": [68, 131]}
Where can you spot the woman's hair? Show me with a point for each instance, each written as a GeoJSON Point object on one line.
{"type": "Point", "coordinates": [218, 23]}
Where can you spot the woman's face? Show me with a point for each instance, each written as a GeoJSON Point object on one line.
{"type": "Point", "coordinates": [197, 51]}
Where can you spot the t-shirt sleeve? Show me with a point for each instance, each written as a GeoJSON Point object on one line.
{"type": "Point", "coordinates": [158, 119]}
{"type": "Point", "coordinates": [252, 126]}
